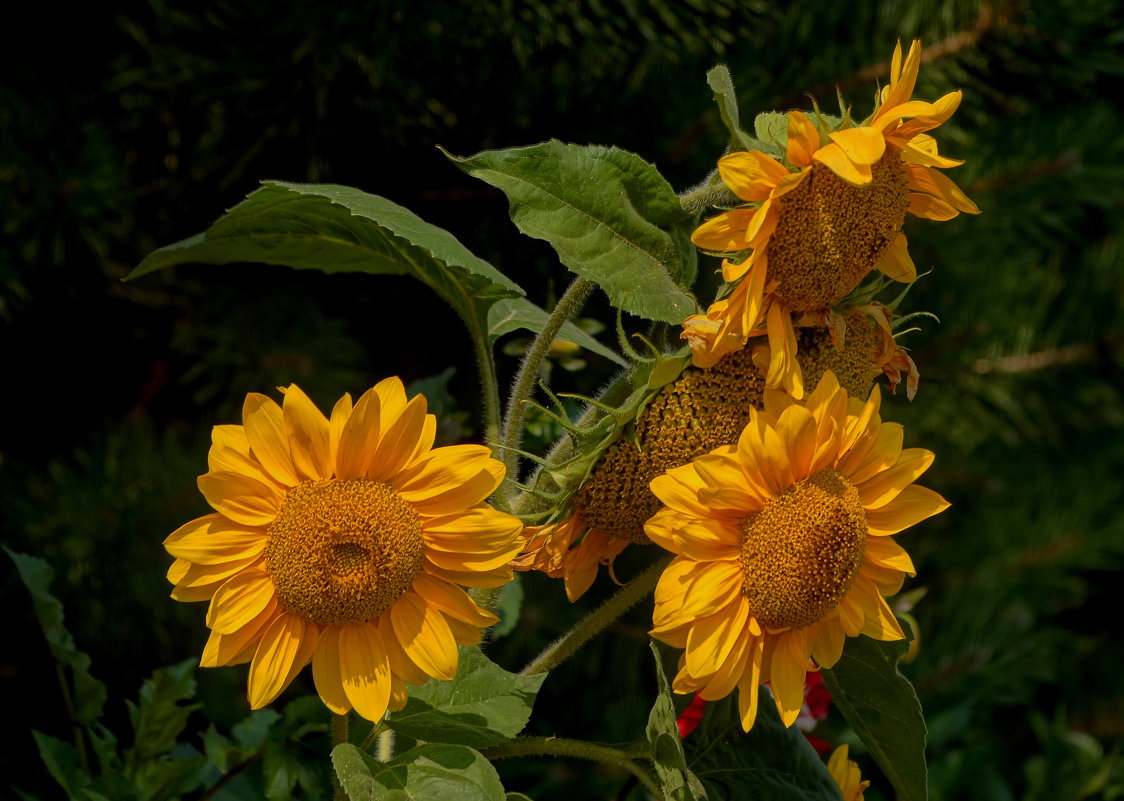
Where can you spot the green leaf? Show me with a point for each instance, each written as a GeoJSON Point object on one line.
{"type": "Point", "coordinates": [882, 707]}
{"type": "Point", "coordinates": [431, 772]}
{"type": "Point", "coordinates": [61, 760]}
{"type": "Point", "coordinates": [676, 781]}
{"type": "Point", "coordinates": [337, 229]}
{"type": "Point", "coordinates": [517, 797]}
{"type": "Point", "coordinates": [482, 705]}
{"type": "Point", "coordinates": [609, 214]}
{"type": "Point", "coordinates": [508, 607]}
{"type": "Point", "coordinates": [88, 693]}
{"type": "Point", "coordinates": [512, 314]}
{"type": "Point", "coordinates": [252, 731]}
{"type": "Point", "coordinates": [159, 719]}
{"type": "Point", "coordinates": [768, 762]}
{"type": "Point", "coordinates": [772, 128]}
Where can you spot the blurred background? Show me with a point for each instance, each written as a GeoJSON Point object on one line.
{"type": "Point", "coordinates": [135, 124]}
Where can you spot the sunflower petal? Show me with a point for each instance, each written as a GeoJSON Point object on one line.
{"type": "Point", "coordinates": [786, 673]}
{"type": "Point", "coordinates": [239, 600]}
{"type": "Point", "coordinates": [929, 207]}
{"type": "Point", "coordinates": [896, 263]}
{"type": "Point", "coordinates": [712, 638]}
{"type": "Point", "coordinates": [750, 174]}
{"type": "Point", "coordinates": [364, 670]}
{"type": "Point", "coordinates": [265, 429]}
{"type": "Point", "coordinates": [326, 672]}
{"type": "Point", "coordinates": [242, 499]}
{"type": "Point", "coordinates": [835, 158]}
{"type": "Point", "coordinates": [803, 139]}
{"type": "Point", "coordinates": [309, 434]}
{"type": "Point", "coordinates": [424, 636]}
{"type": "Point", "coordinates": [912, 505]}
{"type": "Point", "coordinates": [359, 437]}
{"type": "Point", "coordinates": [724, 233]}
{"type": "Point", "coordinates": [285, 647]}
{"type": "Point", "coordinates": [398, 441]}
{"type": "Point", "coordinates": [749, 684]}
{"type": "Point", "coordinates": [863, 146]}
{"type": "Point", "coordinates": [885, 486]}
{"type": "Point", "coordinates": [215, 539]}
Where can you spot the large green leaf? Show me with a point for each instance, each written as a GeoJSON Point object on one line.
{"type": "Point", "coordinates": [882, 707]}
{"type": "Point", "coordinates": [675, 780]}
{"type": "Point", "coordinates": [336, 229]}
{"type": "Point", "coordinates": [87, 693]}
{"type": "Point", "coordinates": [430, 772]}
{"type": "Point", "coordinates": [769, 762]}
{"type": "Point", "coordinates": [610, 215]}
{"type": "Point", "coordinates": [483, 705]}
{"type": "Point", "coordinates": [513, 314]}
{"type": "Point", "coordinates": [158, 719]}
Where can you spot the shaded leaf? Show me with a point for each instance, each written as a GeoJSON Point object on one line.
{"type": "Point", "coordinates": [675, 780]}
{"type": "Point", "coordinates": [252, 731]}
{"type": "Point", "coordinates": [771, 127]}
{"type": "Point", "coordinates": [88, 693]}
{"type": "Point", "coordinates": [768, 762]}
{"type": "Point", "coordinates": [609, 214]}
{"type": "Point", "coordinates": [159, 719]}
{"type": "Point", "coordinates": [513, 314]}
{"type": "Point", "coordinates": [431, 772]}
{"type": "Point", "coordinates": [882, 707]}
{"type": "Point", "coordinates": [61, 760]}
{"type": "Point", "coordinates": [508, 607]}
{"type": "Point", "coordinates": [482, 705]}
{"type": "Point", "coordinates": [335, 229]}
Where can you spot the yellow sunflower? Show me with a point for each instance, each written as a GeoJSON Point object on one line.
{"type": "Point", "coordinates": [817, 222]}
{"type": "Point", "coordinates": [846, 774]}
{"type": "Point", "coordinates": [783, 545]}
{"type": "Point", "coordinates": [342, 542]}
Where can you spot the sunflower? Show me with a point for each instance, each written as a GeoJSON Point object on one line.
{"type": "Point", "coordinates": [699, 411]}
{"type": "Point", "coordinates": [782, 545]}
{"type": "Point", "coordinates": [846, 774]}
{"type": "Point", "coordinates": [821, 219]}
{"type": "Point", "coordinates": [342, 542]}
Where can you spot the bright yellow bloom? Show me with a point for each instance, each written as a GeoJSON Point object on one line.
{"type": "Point", "coordinates": [783, 545]}
{"type": "Point", "coordinates": [817, 222]}
{"type": "Point", "coordinates": [342, 542]}
{"type": "Point", "coordinates": [846, 774]}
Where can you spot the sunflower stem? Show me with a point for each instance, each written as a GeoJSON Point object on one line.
{"type": "Point", "coordinates": [567, 306]}
{"type": "Point", "coordinates": [597, 620]}
{"type": "Point", "coordinates": [339, 736]}
{"type": "Point", "coordinates": [560, 746]}
{"type": "Point", "coordinates": [384, 751]}
{"type": "Point", "coordinates": [486, 366]}
{"type": "Point", "coordinates": [710, 192]}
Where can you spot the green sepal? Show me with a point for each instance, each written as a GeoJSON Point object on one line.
{"type": "Point", "coordinates": [676, 781]}
{"type": "Point", "coordinates": [513, 314]}
{"type": "Point", "coordinates": [882, 707]}
{"type": "Point", "coordinates": [720, 82]}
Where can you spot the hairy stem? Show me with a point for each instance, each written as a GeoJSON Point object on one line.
{"type": "Point", "coordinates": [558, 746]}
{"type": "Point", "coordinates": [597, 620]}
{"type": "Point", "coordinates": [568, 305]}
{"type": "Point", "coordinates": [339, 735]}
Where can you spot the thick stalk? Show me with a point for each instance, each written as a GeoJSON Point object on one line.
{"type": "Point", "coordinates": [568, 305]}
{"type": "Point", "coordinates": [597, 620]}
{"type": "Point", "coordinates": [339, 735]}
{"type": "Point", "coordinates": [558, 746]}
{"type": "Point", "coordinates": [486, 366]}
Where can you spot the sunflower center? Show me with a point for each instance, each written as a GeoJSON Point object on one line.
{"type": "Point", "coordinates": [831, 233]}
{"type": "Point", "coordinates": [693, 415]}
{"type": "Point", "coordinates": [802, 551]}
{"type": "Point", "coordinates": [343, 551]}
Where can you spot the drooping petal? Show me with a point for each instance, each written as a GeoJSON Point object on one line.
{"type": "Point", "coordinates": [452, 601]}
{"type": "Point", "coordinates": [835, 158]}
{"type": "Point", "coordinates": [725, 233]}
{"type": "Point", "coordinates": [930, 181]}
{"type": "Point", "coordinates": [863, 146]}
{"type": "Point", "coordinates": [784, 369]}
{"type": "Point", "coordinates": [787, 669]}
{"type": "Point", "coordinates": [929, 207]}
{"type": "Point", "coordinates": [424, 636]}
{"type": "Point", "coordinates": [896, 262]}
{"type": "Point", "coordinates": [828, 645]}
{"type": "Point", "coordinates": [884, 551]}
{"type": "Point", "coordinates": [803, 139]}
{"type": "Point", "coordinates": [326, 672]}
{"type": "Point", "coordinates": [364, 670]}
{"type": "Point", "coordinates": [749, 684]}
{"type": "Point", "coordinates": [285, 647]}
{"type": "Point", "coordinates": [750, 174]}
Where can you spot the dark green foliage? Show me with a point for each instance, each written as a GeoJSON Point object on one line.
{"type": "Point", "coordinates": [174, 113]}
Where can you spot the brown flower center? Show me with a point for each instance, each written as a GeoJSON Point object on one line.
{"type": "Point", "coordinates": [831, 233]}
{"type": "Point", "coordinates": [801, 552]}
{"type": "Point", "coordinates": [693, 415]}
{"type": "Point", "coordinates": [343, 551]}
